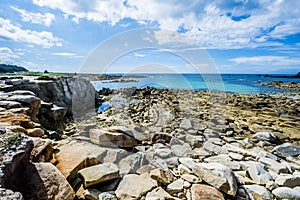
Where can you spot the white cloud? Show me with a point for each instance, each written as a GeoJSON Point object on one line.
{"type": "Point", "coordinates": [7, 55]}
{"type": "Point", "coordinates": [213, 24]}
{"type": "Point", "coordinates": [16, 33]}
{"type": "Point", "coordinates": [139, 55]}
{"type": "Point", "coordinates": [67, 54]}
{"type": "Point", "coordinates": [35, 18]}
{"type": "Point", "coordinates": [266, 60]}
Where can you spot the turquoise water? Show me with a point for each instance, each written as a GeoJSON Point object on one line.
{"type": "Point", "coordinates": [234, 83]}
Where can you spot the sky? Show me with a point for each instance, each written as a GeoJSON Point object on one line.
{"type": "Point", "coordinates": [111, 36]}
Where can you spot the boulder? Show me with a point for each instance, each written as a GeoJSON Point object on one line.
{"type": "Point", "coordinates": [257, 172]}
{"type": "Point", "coordinates": [35, 132]}
{"type": "Point", "coordinates": [287, 150]}
{"type": "Point", "coordinates": [266, 136]}
{"type": "Point", "coordinates": [275, 166]}
{"type": "Point", "coordinates": [50, 183]}
{"type": "Point", "coordinates": [258, 192]}
{"type": "Point", "coordinates": [285, 193]}
{"type": "Point", "coordinates": [176, 186]}
{"type": "Point", "coordinates": [132, 163]}
{"type": "Point", "coordinates": [218, 176]}
{"type": "Point", "coordinates": [159, 193]}
{"type": "Point", "coordinates": [288, 180]}
{"type": "Point", "coordinates": [99, 173]}
{"type": "Point", "coordinates": [201, 191]}
{"type": "Point", "coordinates": [105, 138]}
{"type": "Point", "coordinates": [133, 186]}
{"type": "Point", "coordinates": [30, 101]}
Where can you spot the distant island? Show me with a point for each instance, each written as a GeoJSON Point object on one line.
{"type": "Point", "coordinates": [284, 76]}
{"type": "Point", "coordinates": [4, 68]}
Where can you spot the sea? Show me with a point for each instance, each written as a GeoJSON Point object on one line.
{"type": "Point", "coordinates": [232, 83]}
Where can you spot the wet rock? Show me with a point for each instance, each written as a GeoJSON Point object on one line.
{"type": "Point", "coordinates": [201, 191]}
{"type": "Point", "coordinates": [133, 186]}
{"type": "Point", "coordinates": [257, 192]}
{"type": "Point", "coordinates": [99, 173]}
{"type": "Point", "coordinates": [287, 150]}
{"type": "Point", "coordinates": [217, 175]}
{"type": "Point", "coordinates": [286, 193]}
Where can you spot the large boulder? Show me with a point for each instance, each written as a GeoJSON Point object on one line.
{"type": "Point", "coordinates": [201, 191]}
{"type": "Point", "coordinates": [133, 186]}
{"type": "Point", "coordinates": [99, 173]}
{"type": "Point", "coordinates": [218, 176]}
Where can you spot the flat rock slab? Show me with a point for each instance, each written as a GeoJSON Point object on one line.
{"type": "Point", "coordinates": [109, 139]}
{"type": "Point", "coordinates": [98, 174]}
{"type": "Point", "coordinates": [133, 186]}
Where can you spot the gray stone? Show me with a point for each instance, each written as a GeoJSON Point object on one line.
{"type": "Point", "coordinates": [216, 149]}
{"type": "Point", "coordinates": [133, 186]}
{"type": "Point", "coordinates": [132, 163]}
{"type": "Point", "coordinates": [288, 180]}
{"type": "Point", "coordinates": [189, 162]}
{"type": "Point", "coordinates": [266, 136]}
{"type": "Point", "coordinates": [181, 150]}
{"type": "Point", "coordinates": [274, 165]}
{"type": "Point", "coordinates": [99, 173]}
{"type": "Point", "coordinates": [91, 194]}
{"type": "Point", "coordinates": [257, 172]}
{"type": "Point", "coordinates": [258, 192]}
{"type": "Point", "coordinates": [287, 150]}
{"type": "Point", "coordinates": [286, 193]}
{"type": "Point", "coordinates": [186, 124]}
{"type": "Point", "coordinates": [218, 176]}
{"type": "Point", "coordinates": [176, 186]}
{"type": "Point", "coordinates": [164, 153]}
{"type": "Point", "coordinates": [225, 160]}
{"type": "Point", "coordinates": [158, 194]}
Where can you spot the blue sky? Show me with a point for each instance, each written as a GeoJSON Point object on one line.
{"type": "Point", "coordinates": [238, 36]}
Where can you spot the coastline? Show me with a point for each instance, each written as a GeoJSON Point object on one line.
{"type": "Point", "coordinates": [162, 142]}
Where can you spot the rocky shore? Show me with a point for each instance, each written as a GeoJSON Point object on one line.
{"type": "Point", "coordinates": [293, 86]}
{"type": "Point", "coordinates": [150, 144]}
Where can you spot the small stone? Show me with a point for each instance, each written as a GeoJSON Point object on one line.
{"type": "Point", "coordinates": [107, 196]}
{"type": "Point", "coordinates": [161, 176]}
{"type": "Point", "coordinates": [287, 150]}
{"type": "Point", "coordinates": [36, 132]}
{"type": "Point", "coordinates": [159, 193]}
{"type": "Point", "coordinates": [191, 178]}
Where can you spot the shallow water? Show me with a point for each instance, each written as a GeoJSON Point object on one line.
{"type": "Point", "coordinates": [235, 83]}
